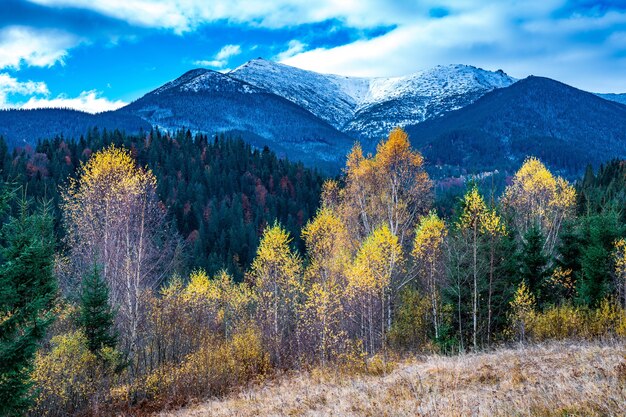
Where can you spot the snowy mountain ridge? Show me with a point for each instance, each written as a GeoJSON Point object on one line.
{"type": "Point", "coordinates": [367, 107]}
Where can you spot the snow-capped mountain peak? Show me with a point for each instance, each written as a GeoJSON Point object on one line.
{"type": "Point", "coordinates": [366, 107]}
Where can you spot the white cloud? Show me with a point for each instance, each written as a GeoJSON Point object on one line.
{"type": "Point", "coordinates": [228, 51]}
{"type": "Point", "coordinates": [209, 63]}
{"type": "Point", "coordinates": [88, 101]}
{"type": "Point", "coordinates": [34, 47]}
{"type": "Point", "coordinates": [10, 85]}
{"type": "Point", "coordinates": [221, 58]}
{"type": "Point", "coordinates": [185, 15]}
{"type": "Point", "coordinates": [293, 48]}
{"type": "Point", "coordinates": [523, 39]}
{"type": "Point", "coordinates": [569, 41]}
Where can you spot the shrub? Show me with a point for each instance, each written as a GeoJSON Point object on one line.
{"type": "Point", "coordinates": [567, 321]}
{"type": "Point", "coordinates": [215, 368]}
{"type": "Point", "coordinates": [70, 377]}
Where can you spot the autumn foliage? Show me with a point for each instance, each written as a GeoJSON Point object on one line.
{"type": "Point", "coordinates": [381, 272]}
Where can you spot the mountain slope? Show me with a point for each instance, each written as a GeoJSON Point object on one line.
{"type": "Point", "coordinates": [564, 126]}
{"type": "Point", "coordinates": [619, 98]}
{"type": "Point", "coordinates": [368, 108]}
{"type": "Point", "coordinates": [212, 102]}
{"type": "Point", "coordinates": [331, 98]}
{"type": "Point", "coordinates": [404, 101]}
{"type": "Point", "coordinates": [20, 127]}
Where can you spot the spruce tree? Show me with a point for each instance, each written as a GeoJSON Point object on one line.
{"type": "Point", "coordinates": [533, 261]}
{"type": "Point", "coordinates": [27, 293]}
{"type": "Point", "coordinates": [599, 231]}
{"type": "Point", "coordinates": [96, 315]}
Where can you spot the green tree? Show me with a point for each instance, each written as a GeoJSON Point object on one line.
{"type": "Point", "coordinates": [533, 261]}
{"type": "Point", "coordinates": [27, 292]}
{"type": "Point", "coordinates": [600, 232]}
{"type": "Point", "coordinates": [96, 315]}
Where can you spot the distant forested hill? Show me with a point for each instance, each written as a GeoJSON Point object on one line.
{"type": "Point", "coordinates": [21, 127]}
{"type": "Point", "coordinates": [567, 128]}
{"type": "Point", "coordinates": [220, 192]}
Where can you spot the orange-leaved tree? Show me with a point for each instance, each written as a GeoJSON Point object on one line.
{"type": "Point", "coordinates": [390, 188]}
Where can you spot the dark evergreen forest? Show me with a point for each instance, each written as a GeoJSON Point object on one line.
{"type": "Point", "coordinates": [220, 192]}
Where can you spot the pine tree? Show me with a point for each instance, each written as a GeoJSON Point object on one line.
{"type": "Point", "coordinates": [27, 292]}
{"type": "Point", "coordinates": [96, 316]}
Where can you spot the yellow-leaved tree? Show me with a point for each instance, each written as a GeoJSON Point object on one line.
{"type": "Point", "coordinates": [276, 274]}
{"type": "Point", "coordinates": [471, 223]}
{"type": "Point", "coordinates": [390, 188]}
{"type": "Point", "coordinates": [371, 278]}
{"type": "Point", "coordinates": [326, 239]}
{"type": "Point", "coordinates": [428, 255]}
{"type": "Point", "coordinates": [493, 227]}
{"type": "Point", "coordinates": [522, 310]}
{"type": "Point", "coordinates": [538, 199]}
{"type": "Point", "coordinates": [113, 218]}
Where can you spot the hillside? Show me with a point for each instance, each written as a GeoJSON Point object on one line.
{"type": "Point", "coordinates": [548, 380]}
{"type": "Point", "coordinates": [620, 98]}
{"type": "Point", "coordinates": [567, 128]}
{"type": "Point", "coordinates": [368, 108]}
{"type": "Point", "coordinates": [466, 120]}
{"type": "Point", "coordinates": [20, 127]}
{"type": "Point", "coordinates": [211, 102]}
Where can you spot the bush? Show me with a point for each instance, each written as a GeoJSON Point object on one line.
{"type": "Point", "coordinates": [412, 322]}
{"type": "Point", "coordinates": [70, 377]}
{"type": "Point", "coordinates": [214, 369]}
{"type": "Point", "coordinates": [567, 321]}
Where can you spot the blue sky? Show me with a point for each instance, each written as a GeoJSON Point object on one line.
{"type": "Point", "coordinates": [98, 55]}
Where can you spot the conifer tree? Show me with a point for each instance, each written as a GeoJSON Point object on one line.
{"type": "Point", "coordinates": [27, 293]}
{"type": "Point", "coordinates": [96, 315]}
{"type": "Point", "coordinates": [533, 261]}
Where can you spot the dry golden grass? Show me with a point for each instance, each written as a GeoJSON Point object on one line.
{"type": "Point", "coordinates": [556, 379]}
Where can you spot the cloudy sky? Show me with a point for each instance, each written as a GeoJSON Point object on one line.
{"type": "Point", "coordinates": [97, 55]}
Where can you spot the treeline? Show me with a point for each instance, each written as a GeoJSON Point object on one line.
{"type": "Point", "coordinates": [380, 272]}
{"type": "Point", "coordinates": [220, 193]}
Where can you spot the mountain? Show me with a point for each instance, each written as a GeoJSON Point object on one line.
{"type": "Point", "coordinates": [21, 127]}
{"type": "Point", "coordinates": [565, 127]}
{"type": "Point", "coordinates": [620, 98]}
{"type": "Point", "coordinates": [368, 108]}
{"type": "Point", "coordinates": [207, 101]}
{"type": "Point", "coordinates": [299, 114]}
{"type": "Point", "coordinates": [331, 98]}
{"type": "Point", "coordinates": [459, 115]}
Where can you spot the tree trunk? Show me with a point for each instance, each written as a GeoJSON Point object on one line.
{"type": "Point", "coordinates": [491, 256]}
{"type": "Point", "coordinates": [475, 306]}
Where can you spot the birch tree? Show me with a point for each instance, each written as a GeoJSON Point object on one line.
{"type": "Point", "coordinates": [326, 239]}
{"type": "Point", "coordinates": [536, 198]}
{"type": "Point", "coordinates": [429, 257]}
{"type": "Point", "coordinates": [390, 188]}
{"type": "Point", "coordinates": [113, 218]}
{"type": "Point", "coordinates": [276, 276]}
{"type": "Point", "coordinates": [470, 222]}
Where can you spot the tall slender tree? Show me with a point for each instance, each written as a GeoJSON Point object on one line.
{"type": "Point", "coordinates": [27, 292]}
{"type": "Point", "coordinates": [472, 216]}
